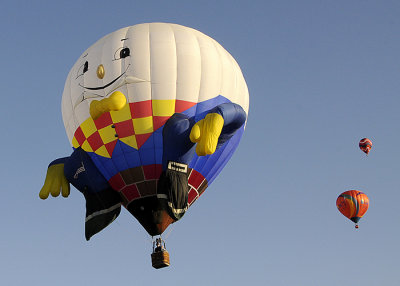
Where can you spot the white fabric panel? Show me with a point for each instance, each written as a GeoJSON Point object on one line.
{"type": "Point", "coordinates": [139, 91]}
{"type": "Point", "coordinates": [139, 45]}
{"type": "Point", "coordinates": [211, 68]}
{"type": "Point", "coordinates": [109, 58]}
{"type": "Point", "coordinates": [228, 75]}
{"type": "Point", "coordinates": [244, 94]}
{"type": "Point", "coordinates": [82, 112]}
{"type": "Point", "coordinates": [70, 128]}
{"type": "Point", "coordinates": [235, 96]}
{"type": "Point", "coordinates": [66, 110]}
{"type": "Point", "coordinates": [162, 61]}
{"type": "Point", "coordinates": [188, 64]}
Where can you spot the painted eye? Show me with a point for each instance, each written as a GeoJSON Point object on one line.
{"type": "Point", "coordinates": [125, 52]}
{"type": "Point", "coordinates": [122, 53]}
{"type": "Point", "coordinates": [82, 69]}
{"type": "Point", "coordinates": [85, 67]}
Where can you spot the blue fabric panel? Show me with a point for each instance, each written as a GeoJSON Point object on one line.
{"type": "Point", "coordinates": [110, 167]}
{"type": "Point", "coordinates": [200, 162]}
{"type": "Point", "coordinates": [119, 158]}
{"type": "Point", "coordinates": [191, 112]}
{"type": "Point", "coordinates": [158, 145]}
{"type": "Point", "coordinates": [226, 155]}
{"type": "Point", "coordinates": [100, 165]}
{"type": "Point", "coordinates": [204, 107]}
{"type": "Point", "coordinates": [147, 156]}
{"type": "Point", "coordinates": [158, 139]}
{"type": "Point", "coordinates": [204, 164]}
{"type": "Point", "coordinates": [131, 155]}
{"type": "Point", "coordinates": [210, 166]}
{"type": "Point", "coordinates": [193, 163]}
{"type": "Point", "coordinates": [120, 162]}
{"type": "Point", "coordinates": [158, 153]}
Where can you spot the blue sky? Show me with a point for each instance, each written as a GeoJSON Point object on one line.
{"type": "Point", "coordinates": [321, 76]}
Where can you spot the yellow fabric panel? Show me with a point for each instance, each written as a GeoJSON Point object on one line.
{"type": "Point", "coordinates": [107, 134]}
{"type": "Point", "coordinates": [86, 146]}
{"type": "Point", "coordinates": [121, 115]}
{"type": "Point", "coordinates": [143, 125]}
{"type": "Point", "coordinates": [163, 107]}
{"type": "Point", "coordinates": [88, 127]}
{"type": "Point", "coordinates": [102, 151]}
{"type": "Point", "coordinates": [130, 140]}
{"type": "Point", "coordinates": [75, 143]}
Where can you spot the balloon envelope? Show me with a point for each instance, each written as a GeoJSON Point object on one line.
{"type": "Point", "coordinates": [365, 145]}
{"type": "Point", "coordinates": [353, 204]}
{"type": "Point", "coordinates": [162, 69]}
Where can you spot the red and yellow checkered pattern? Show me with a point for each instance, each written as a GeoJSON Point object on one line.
{"type": "Point", "coordinates": [133, 125]}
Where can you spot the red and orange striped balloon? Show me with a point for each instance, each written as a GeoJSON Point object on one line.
{"type": "Point", "coordinates": [365, 145]}
{"type": "Point", "coordinates": [353, 204]}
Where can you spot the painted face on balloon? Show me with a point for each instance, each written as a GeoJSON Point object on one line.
{"type": "Point", "coordinates": [101, 70]}
{"type": "Point", "coordinates": [98, 72]}
{"type": "Point", "coordinates": [126, 85]}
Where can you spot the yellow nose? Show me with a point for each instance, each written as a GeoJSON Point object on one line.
{"type": "Point", "coordinates": [100, 72]}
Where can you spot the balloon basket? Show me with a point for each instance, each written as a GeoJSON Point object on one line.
{"type": "Point", "coordinates": [160, 259]}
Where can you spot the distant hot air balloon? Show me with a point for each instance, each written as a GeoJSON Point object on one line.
{"type": "Point", "coordinates": [353, 204]}
{"type": "Point", "coordinates": [153, 112]}
{"type": "Point", "coordinates": [365, 145]}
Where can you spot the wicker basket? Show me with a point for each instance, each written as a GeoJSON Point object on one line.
{"type": "Point", "coordinates": [160, 259]}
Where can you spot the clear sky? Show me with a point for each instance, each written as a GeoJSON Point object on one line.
{"type": "Point", "coordinates": [321, 76]}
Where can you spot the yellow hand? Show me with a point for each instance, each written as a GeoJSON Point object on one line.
{"type": "Point", "coordinates": [206, 133]}
{"type": "Point", "coordinates": [115, 102]}
{"type": "Point", "coordinates": [55, 182]}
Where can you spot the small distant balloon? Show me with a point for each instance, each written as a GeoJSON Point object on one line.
{"type": "Point", "coordinates": [365, 145]}
{"type": "Point", "coordinates": [353, 204]}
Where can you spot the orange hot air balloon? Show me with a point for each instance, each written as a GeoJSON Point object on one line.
{"type": "Point", "coordinates": [365, 145]}
{"type": "Point", "coordinates": [353, 204]}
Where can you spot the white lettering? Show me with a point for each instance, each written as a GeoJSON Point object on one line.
{"type": "Point", "coordinates": [78, 171]}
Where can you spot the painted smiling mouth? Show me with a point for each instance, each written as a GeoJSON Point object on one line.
{"type": "Point", "coordinates": [127, 80]}
{"type": "Point", "coordinates": [104, 86]}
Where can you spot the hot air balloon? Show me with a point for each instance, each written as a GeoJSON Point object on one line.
{"type": "Point", "coordinates": [353, 204]}
{"type": "Point", "coordinates": [153, 113]}
{"type": "Point", "coordinates": [365, 145]}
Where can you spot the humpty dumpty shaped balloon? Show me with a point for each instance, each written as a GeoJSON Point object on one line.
{"type": "Point", "coordinates": [153, 113]}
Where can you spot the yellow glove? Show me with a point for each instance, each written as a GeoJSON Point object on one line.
{"type": "Point", "coordinates": [206, 133]}
{"type": "Point", "coordinates": [55, 182]}
{"type": "Point", "coordinates": [115, 102]}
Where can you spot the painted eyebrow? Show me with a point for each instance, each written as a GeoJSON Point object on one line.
{"type": "Point", "coordinates": [124, 39]}
{"type": "Point", "coordinates": [85, 56]}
